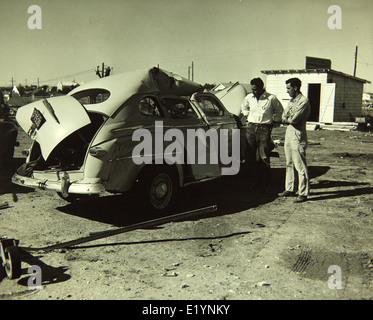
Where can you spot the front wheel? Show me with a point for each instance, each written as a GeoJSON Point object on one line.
{"type": "Point", "coordinates": [158, 185]}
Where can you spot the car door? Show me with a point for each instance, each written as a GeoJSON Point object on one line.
{"type": "Point", "coordinates": [185, 118]}
{"type": "Point", "coordinates": [220, 119]}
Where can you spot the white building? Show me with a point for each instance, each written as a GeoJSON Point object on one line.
{"type": "Point", "coordinates": [334, 96]}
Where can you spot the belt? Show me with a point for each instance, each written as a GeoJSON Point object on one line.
{"type": "Point", "coordinates": [260, 124]}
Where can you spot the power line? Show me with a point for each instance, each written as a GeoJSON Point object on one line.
{"type": "Point", "coordinates": [235, 54]}
{"type": "Point", "coordinates": [369, 64]}
{"type": "Point", "coordinates": [207, 57]}
{"type": "Point", "coordinates": [70, 75]}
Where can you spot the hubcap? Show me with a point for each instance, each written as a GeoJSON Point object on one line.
{"type": "Point", "coordinates": [161, 191]}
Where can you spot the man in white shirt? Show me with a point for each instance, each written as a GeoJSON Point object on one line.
{"type": "Point", "coordinates": [262, 111]}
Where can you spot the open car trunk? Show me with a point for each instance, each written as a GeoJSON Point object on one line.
{"type": "Point", "coordinates": [70, 153]}
{"type": "Point", "coordinates": [62, 131]}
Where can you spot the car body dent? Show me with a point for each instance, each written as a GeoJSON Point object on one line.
{"type": "Point", "coordinates": [125, 85]}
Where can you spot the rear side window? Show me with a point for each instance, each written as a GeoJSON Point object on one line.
{"type": "Point", "coordinates": [149, 107]}
{"type": "Point", "coordinates": [92, 96]}
{"type": "Point", "coordinates": [179, 109]}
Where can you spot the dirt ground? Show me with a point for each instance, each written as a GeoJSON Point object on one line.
{"type": "Point", "coordinates": [253, 247]}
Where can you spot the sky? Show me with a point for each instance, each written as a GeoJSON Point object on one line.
{"type": "Point", "coordinates": [226, 40]}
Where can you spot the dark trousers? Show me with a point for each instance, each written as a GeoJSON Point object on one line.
{"type": "Point", "coordinates": [259, 147]}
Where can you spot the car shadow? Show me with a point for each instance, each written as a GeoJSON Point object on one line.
{"type": "Point", "coordinates": [231, 194]}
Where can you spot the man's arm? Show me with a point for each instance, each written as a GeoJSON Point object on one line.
{"type": "Point", "coordinates": [245, 107]}
{"type": "Point", "coordinates": [300, 113]}
{"type": "Point", "coordinates": [277, 110]}
{"type": "Point", "coordinates": [286, 115]}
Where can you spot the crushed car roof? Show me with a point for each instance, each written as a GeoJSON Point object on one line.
{"type": "Point", "coordinates": [123, 86]}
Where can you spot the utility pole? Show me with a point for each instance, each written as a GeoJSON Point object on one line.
{"type": "Point", "coordinates": [192, 71]}
{"type": "Point", "coordinates": [355, 61]}
{"type": "Point", "coordinates": [12, 81]}
{"type": "Point", "coordinates": [104, 72]}
{"type": "Point", "coordinates": [189, 73]}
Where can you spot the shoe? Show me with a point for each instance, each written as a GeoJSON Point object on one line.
{"type": "Point", "coordinates": [300, 199]}
{"type": "Point", "coordinates": [287, 194]}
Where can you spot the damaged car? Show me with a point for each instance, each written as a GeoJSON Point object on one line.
{"type": "Point", "coordinates": [141, 130]}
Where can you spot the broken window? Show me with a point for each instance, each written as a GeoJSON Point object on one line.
{"type": "Point", "coordinates": [179, 109]}
{"type": "Point", "coordinates": [92, 96]}
{"type": "Point", "coordinates": [209, 106]}
{"type": "Point", "coordinates": [149, 107]}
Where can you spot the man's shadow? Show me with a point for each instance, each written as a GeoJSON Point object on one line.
{"type": "Point", "coordinates": [334, 194]}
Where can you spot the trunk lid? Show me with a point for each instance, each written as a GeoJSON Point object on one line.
{"type": "Point", "coordinates": [49, 121]}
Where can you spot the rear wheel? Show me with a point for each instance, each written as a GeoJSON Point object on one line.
{"type": "Point", "coordinates": [158, 185]}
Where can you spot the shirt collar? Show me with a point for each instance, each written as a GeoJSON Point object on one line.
{"type": "Point", "coordinates": [263, 96]}
{"type": "Point", "coordinates": [297, 98]}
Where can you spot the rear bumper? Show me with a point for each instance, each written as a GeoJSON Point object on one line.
{"type": "Point", "coordinates": [79, 187]}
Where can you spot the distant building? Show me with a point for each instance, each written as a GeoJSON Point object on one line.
{"type": "Point", "coordinates": [16, 101]}
{"type": "Point", "coordinates": [367, 96]}
{"type": "Point", "coordinates": [334, 96]}
{"type": "Point", "coordinates": [39, 93]}
{"type": "Point", "coordinates": [367, 101]}
{"type": "Point", "coordinates": [66, 87]}
{"type": "Point", "coordinates": [15, 90]}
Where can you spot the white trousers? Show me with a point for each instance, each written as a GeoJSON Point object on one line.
{"type": "Point", "coordinates": [295, 152]}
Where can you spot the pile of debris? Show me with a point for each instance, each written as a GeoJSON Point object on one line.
{"type": "Point", "coordinates": [337, 126]}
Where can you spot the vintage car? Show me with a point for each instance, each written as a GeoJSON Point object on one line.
{"type": "Point", "coordinates": [127, 132]}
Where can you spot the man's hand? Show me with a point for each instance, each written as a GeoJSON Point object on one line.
{"type": "Point", "coordinates": [275, 124]}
